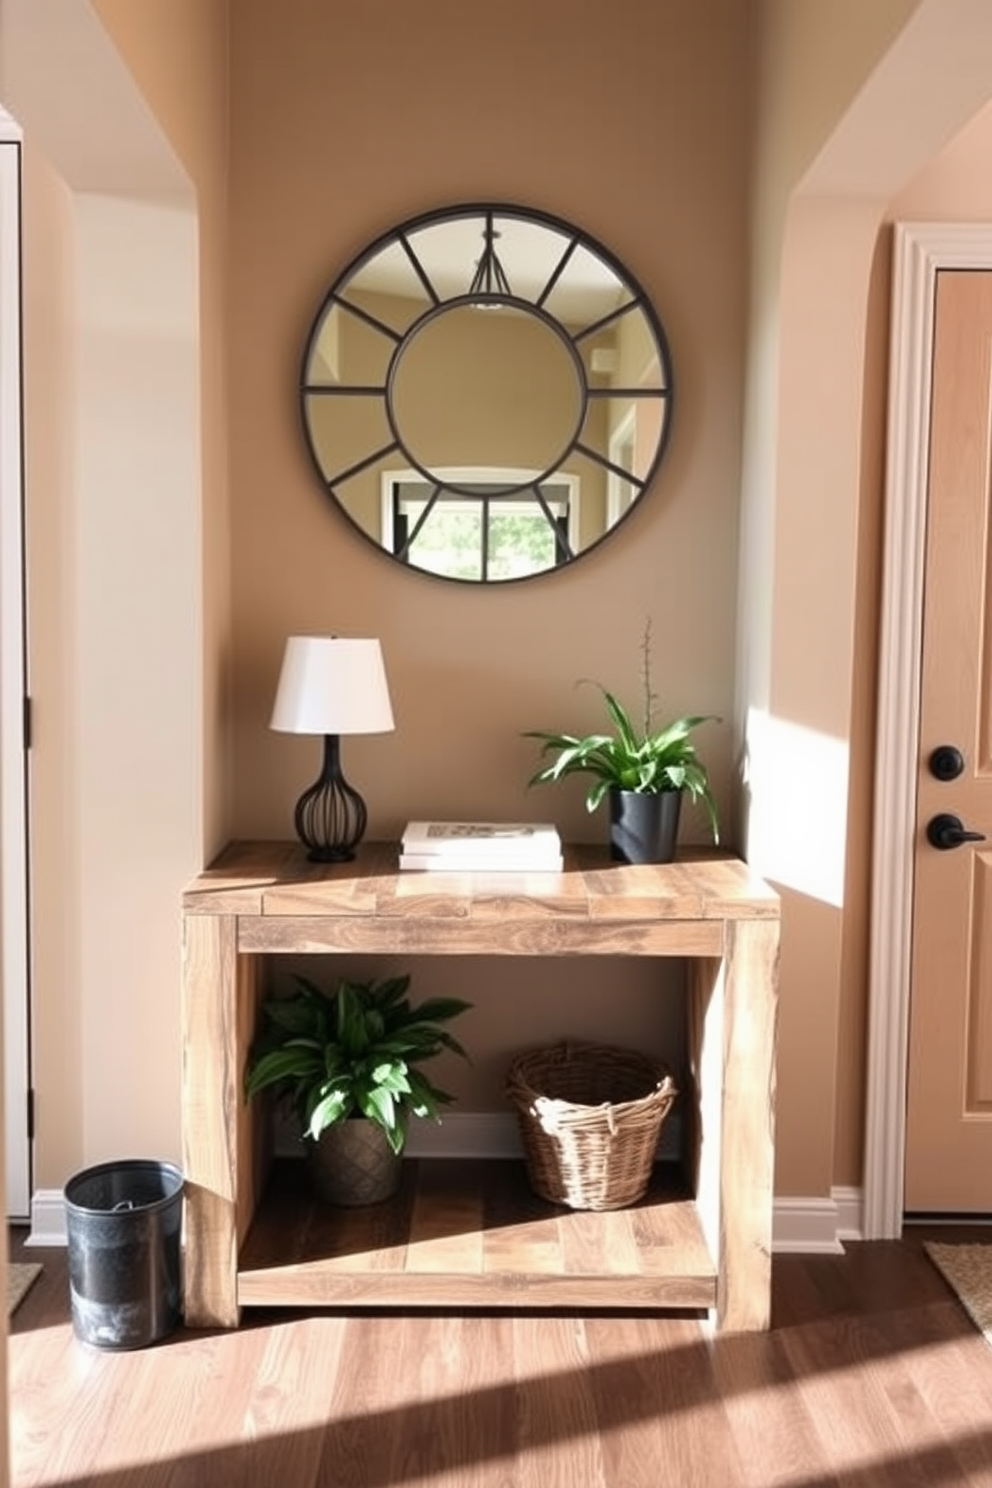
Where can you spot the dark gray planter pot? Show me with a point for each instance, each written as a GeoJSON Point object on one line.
{"type": "Point", "coordinates": [352, 1164]}
{"type": "Point", "coordinates": [643, 828]}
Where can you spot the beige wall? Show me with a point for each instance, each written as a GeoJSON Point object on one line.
{"type": "Point", "coordinates": [288, 186]}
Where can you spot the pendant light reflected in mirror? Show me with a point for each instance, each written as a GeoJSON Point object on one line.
{"type": "Point", "coordinates": [489, 278]}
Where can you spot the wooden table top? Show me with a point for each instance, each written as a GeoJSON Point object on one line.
{"type": "Point", "coordinates": [276, 879]}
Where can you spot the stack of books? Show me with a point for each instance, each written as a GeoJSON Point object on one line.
{"type": "Point", "coordinates": [481, 847]}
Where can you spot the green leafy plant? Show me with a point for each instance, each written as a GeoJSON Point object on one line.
{"type": "Point", "coordinates": [353, 1052]}
{"type": "Point", "coordinates": [649, 759]}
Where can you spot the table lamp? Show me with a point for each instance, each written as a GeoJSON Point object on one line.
{"type": "Point", "coordinates": [331, 685]}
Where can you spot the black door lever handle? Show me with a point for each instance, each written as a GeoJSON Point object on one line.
{"type": "Point", "coordinates": [946, 831]}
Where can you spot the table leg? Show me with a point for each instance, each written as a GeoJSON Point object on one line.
{"type": "Point", "coordinates": [732, 1023]}
{"type": "Point", "coordinates": [212, 1095]}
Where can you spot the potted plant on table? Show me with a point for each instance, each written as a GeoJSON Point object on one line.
{"type": "Point", "coordinates": [644, 773]}
{"type": "Point", "coordinates": [348, 1063]}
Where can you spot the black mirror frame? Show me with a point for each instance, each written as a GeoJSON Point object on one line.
{"type": "Point", "coordinates": [486, 285]}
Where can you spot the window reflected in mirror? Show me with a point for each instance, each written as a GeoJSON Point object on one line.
{"type": "Point", "coordinates": [486, 393]}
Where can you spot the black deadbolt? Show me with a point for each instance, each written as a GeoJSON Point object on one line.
{"type": "Point", "coordinates": [946, 762]}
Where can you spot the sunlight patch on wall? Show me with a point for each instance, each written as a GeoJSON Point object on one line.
{"type": "Point", "coordinates": [796, 779]}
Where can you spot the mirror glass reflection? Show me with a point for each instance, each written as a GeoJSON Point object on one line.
{"type": "Point", "coordinates": [486, 393]}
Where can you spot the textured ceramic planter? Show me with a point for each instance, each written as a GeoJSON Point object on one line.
{"type": "Point", "coordinates": [353, 1164]}
{"type": "Point", "coordinates": [643, 828]}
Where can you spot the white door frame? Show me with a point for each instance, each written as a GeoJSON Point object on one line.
{"type": "Point", "coordinates": [921, 250]}
{"type": "Point", "coordinates": [14, 951]}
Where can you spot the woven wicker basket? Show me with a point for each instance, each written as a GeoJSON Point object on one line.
{"type": "Point", "coordinates": [590, 1116]}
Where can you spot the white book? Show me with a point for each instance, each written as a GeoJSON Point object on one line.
{"type": "Point", "coordinates": [478, 840]}
{"type": "Point", "coordinates": [437, 863]}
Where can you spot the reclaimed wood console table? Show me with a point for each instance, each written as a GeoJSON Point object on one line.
{"type": "Point", "coordinates": [471, 1234]}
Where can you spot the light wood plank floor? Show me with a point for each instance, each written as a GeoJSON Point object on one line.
{"type": "Point", "coordinates": [871, 1376]}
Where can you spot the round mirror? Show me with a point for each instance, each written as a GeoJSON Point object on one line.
{"type": "Point", "coordinates": [486, 393]}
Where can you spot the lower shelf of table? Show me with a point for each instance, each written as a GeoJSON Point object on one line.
{"type": "Point", "coordinates": [473, 1234]}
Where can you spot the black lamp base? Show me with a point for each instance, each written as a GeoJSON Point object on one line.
{"type": "Point", "coordinates": [331, 817]}
{"type": "Point", "coordinates": [318, 854]}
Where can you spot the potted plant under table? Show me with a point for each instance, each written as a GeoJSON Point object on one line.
{"type": "Point", "coordinates": [348, 1062]}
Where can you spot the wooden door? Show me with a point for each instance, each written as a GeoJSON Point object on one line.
{"type": "Point", "coordinates": [949, 1097]}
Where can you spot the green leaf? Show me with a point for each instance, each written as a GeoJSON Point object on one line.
{"type": "Point", "coordinates": [353, 1034]}
{"type": "Point", "coordinates": [389, 992]}
{"type": "Point", "coordinates": [279, 1065]}
{"type": "Point", "coordinates": [391, 1076]}
{"type": "Point", "coordinates": [334, 1107]}
{"type": "Point", "coordinates": [596, 793]}
{"type": "Point", "coordinates": [397, 1137]}
{"type": "Point", "coordinates": [379, 1105]}
{"type": "Point", "coordinates": [450, 1042]}
{"type": "Point", "coordinates": [425, 1097]}
{"type": "Point", "coordinates": [335, 1060]}
{"type": "Point", "coordinates": [434, 1010]}
{"type": "Point", "coordinates": [307, 1014]}
{"type": "Point", "coordinates": [621, 722]}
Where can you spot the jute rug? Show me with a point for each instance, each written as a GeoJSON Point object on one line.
{"type": "Point", "coordinates": [20, 1276]}
{"type": "Point", "coordinates": [968, 1269]}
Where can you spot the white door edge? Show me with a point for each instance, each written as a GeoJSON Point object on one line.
{"type": "Point", "coordinates": [14, 951]}
{"type": "Point", "coordinates": [921, 250]}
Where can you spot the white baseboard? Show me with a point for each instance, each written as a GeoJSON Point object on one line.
{"type": "Point", "coordinates": [808, 1225]}
{"type": "Point", "coordinates": [47, 1218]}
{"type": "Point", "coordinates": [850, 1213]}
{"type": "Point", "coordinates": [816, 1225]}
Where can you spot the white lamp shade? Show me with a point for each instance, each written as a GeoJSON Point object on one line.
{"type": "Point", "coordinates": [332, 685]}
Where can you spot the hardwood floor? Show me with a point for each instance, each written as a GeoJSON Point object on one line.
{"type": "Point", "coordinates": [871, 1375]}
